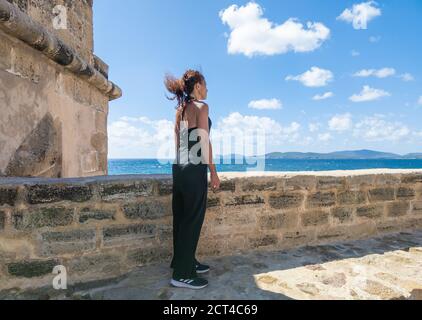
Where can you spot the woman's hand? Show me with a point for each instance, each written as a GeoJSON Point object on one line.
{"type": "Point", "coordinates": [215, 181]}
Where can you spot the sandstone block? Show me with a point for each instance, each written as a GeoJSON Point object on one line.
{"type": "Point", "coordinates": [343, 214]}
{"type": "Point", "coordinates": [244, 200]}
{"type": "Point", "coordinates": [381, 194]}
{"type": "Point", "coordinates": [351, 197]}
{"type": "Point", "coordinates": [147, 209]}
{"type": "Point", "coordinates": [398, 208]}
{"type": "Point", "coordinates": [314, 218]}
{"type": "Point", "coordinates": [87, 214]}
{"type": "Point", "coordinates": [370, 211]}
{"type": "Point", "coordinates": [8, 196]}
{"type": "Point", "coordinates": [31, 268]}
{"type": "Point", "coordinates": [65, 242]}
{"type": "Point", "coordinates": [286, 200]}
{"type": "Point", "coordinates": [321, 199]}
{"type": "Point", "coordinates": [43, 217]}
{"type": "Point", "coordinates": [54, 193]}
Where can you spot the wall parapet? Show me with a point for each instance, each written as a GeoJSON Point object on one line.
{"type": "Point", "coordinates": [18, 24]}
{"type": "Point", "coordinates": [103, 227]}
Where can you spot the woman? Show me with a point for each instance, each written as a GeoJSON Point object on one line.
{"type": "Point", "coordinates": [190, 176]}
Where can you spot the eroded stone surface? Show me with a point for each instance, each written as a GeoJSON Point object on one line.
{"type": "Point", "coordinates": [379, 268]}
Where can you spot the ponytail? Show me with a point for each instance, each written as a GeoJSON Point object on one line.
{"type": "Point", "coordinates": [182, 90]}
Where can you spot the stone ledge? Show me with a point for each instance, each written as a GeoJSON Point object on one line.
{"type": "Point", "coordinates": [13, 181]}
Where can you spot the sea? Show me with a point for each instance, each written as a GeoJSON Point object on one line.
{"type": "Point", "coordinates": [155, 166]}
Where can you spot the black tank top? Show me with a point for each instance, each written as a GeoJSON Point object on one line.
{"type": "Point", "coordinates": [188, 139]}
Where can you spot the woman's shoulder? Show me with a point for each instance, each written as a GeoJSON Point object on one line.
{"type": "Point", "coordinates": [200, 104]}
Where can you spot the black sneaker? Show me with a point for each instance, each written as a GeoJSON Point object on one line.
{"type": "Point", "coordinates": [202, 268]}
{"type": "Point", "coordinates": [195, 283]}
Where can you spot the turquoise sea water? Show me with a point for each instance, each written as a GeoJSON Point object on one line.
{"type": "Point", "coordinates": [153, 166]}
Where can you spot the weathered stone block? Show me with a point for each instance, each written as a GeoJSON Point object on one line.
{"type": "Point", "coordinates": [31, 268]}
{"type": "Point", "coordinates": [244, 200]}
{"type": "Point", "coordinates": [147, 209]}
{"type": "Point", "coordinates": [213, 247]}
{"type": "Point", "coordinates": [8, 196]}
{"type": "Point", "coordinates": [286, 200]}
{"type": "Point", "coordinates": [263, 241]}
{"type": "Point", "coordinates": [104, 263]}
{"type": "Point", "coordinates": [381, 194]}
{"type": "Point", "coordinates": [321, 199]}
{"type": "Point", "coordinates": [372, 211]}
{"type": "Point", "coordinates": [300, 182]}
{"type": "Point", "coordinates": [388, 226]}
{"type": "Point", "coordinates": [165, 187]}
{"type": "Point", "coordinates": [259, 186]}
{"type": "Point", "coordinates": [55, 193]}
{"type": "Point", "coordinates": [314, 218]}
{"type": "Point", "coordinates": [405, 193]}
{"type": "Point", "coordinates": [343, 214]}
{"type": "Point", "coordinates": [126, 190]}
{"type": "Point", "coordinates": [387, 179]}
{"type": "Point", "coordinates": [227, 185]}
{"type": "Point", "coordinates": [351, 197]}
{"type": "Point", "coordinates": [5, 54]}
{"type": "Point", "coordinates": [411, 178]}
{"type": "Point", "coordinates": [165, 232]}
{"type": "Point", "coordinates": [44, 217]}
{"type": "Point", "coordinates": [332, 234]}
{"type": "Point", "coordinates": [417, 207]}
{"type": "Point", "coordinates": [120, 234]}
{"type": "Point", "coordinates": [357, 182]}
{"type": "Point", "coordinates": [213, 202]}
{"type": "Point", "coordinates": [144, 256]}
{"type": "Point", "coordinates": [361, 230]}
{"type": "Point", "coordinates": [88, 214]}
{"type": "Point", "coordinates": [74, 241]}
{"type": "Point", "coordinates": [330, 183]}
{"type": "Point", "coordinates": [2, 220]}
{"type": "Point", "coordinates": [298, 238]}
{"type": "Point", "coordinates": [278, 221]}
{"type": "Point", "coordinates": [398, 208]}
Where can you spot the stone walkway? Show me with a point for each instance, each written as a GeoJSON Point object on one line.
{"type": "Point", "coordinates": [388, 267]}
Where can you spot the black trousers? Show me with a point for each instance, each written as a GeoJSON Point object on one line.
{"type": "Point", "coordinates": [189, 202]}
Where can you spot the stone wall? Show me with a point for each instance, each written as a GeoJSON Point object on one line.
{"type": "Point", "coordinates": [54, 92]}
{"type": "Point", "coordinates": [102, 227]}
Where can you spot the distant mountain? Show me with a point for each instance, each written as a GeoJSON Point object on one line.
{"type": "Point", "coordinates": [357, 154]}
{"type": "Point", "coordinates": [413, 156]}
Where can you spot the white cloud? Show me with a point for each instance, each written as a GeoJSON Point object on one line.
{"type": "Point", "coordinates": [381, 73]}
{"type": "Point", "coordinates": [323, 96]}
{"type": "Point", "coordinates": [315, 77]}
{"type": "Point", "coordinates": [355, 53]}
{"type": "Point", "coordinates": [341, 122]}
{"type": "Point", "coordinates": [420, 101]}
{"type": "Point", "coordinates": [369, 94]}
{"type": "Point", "coordinates": [324, 137]}
{"type": "Point", "coordinates": [269, 104]}
{"type": "Point", "coordinates": [252, 34]}
{"type": "Point", "coordinates": [314, 127]}
{"type": "Point", "coordinates": [377, 129]}
{"type": "Point", "coordinates": [131, 137]}
{"type": "Point", "coordinates": [360, 14]}
{"type": "Point", "coordinates": [237, 124]}
{"type": "Point", "coordinates": [407, 77]}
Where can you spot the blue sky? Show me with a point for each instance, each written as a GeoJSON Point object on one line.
{"type": "Point", "coordinates": [266, 62]}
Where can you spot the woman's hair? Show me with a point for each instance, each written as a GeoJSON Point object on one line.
{"type": "Point", "coordinates": [182, 89]}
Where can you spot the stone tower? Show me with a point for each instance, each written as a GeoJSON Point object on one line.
{"type": "Point", "coordinates": [54, 92]}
